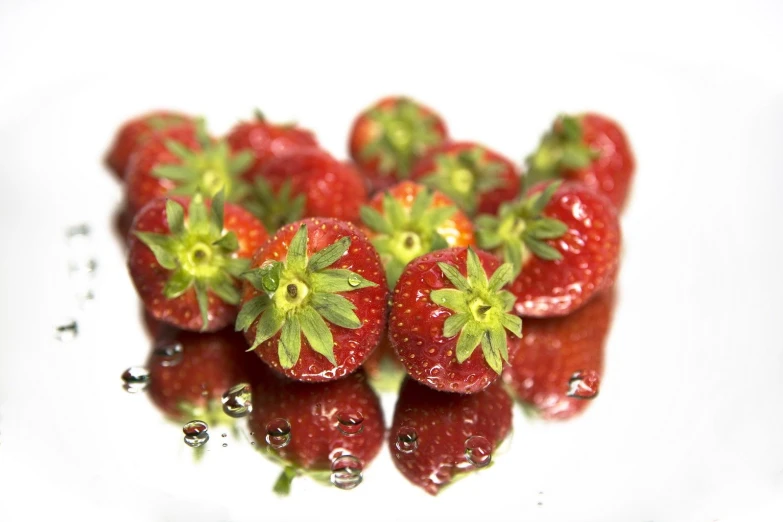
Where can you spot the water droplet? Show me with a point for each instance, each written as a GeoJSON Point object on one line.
{"type": "Point", "coordinates": [67, 332]}
{"type": "Point", "coordinates": [434, 278]}
{"type": "Point", "coordinates": [350, 422]}
{"type": "Point", "coordinates": [75, 231]}
{"type": "Point", "coordinates": [196, 433]}
{"type": "Point", "coordinates": [278, 433]}
{"type": "Point", "coordinates": [224, 435]}
{"type": "Point", "coordinates": [584, 384]}
{"type": "Point", "coordinates": [169, 354]}
{"type": "Point", "coordinates": [407, 440]}
{"type": "Point", "coordinates": [225, 444]}
{"type": "Point", "coordinates": [354, 280]}
{"type": "Point", "coordinates": [135, 379]}
{"type": "Point", "coordinates": [346, 472]}
{"type": "Point", "coordinates": [236, 401]}
{"type": "Point", "coordinates": [478, 450]}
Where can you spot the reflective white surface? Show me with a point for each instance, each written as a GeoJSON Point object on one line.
{"type": "Point", "coordinates": [688, 424]}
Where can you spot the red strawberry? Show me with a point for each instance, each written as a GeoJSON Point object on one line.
{"type": "Point", "coordinates": [390, 136]}
{"type": "Point", "coordinates": [565, 239]}
{"type": "Point", "coordinates": [306, 183]}
{"type": "Point", "coordinates": [558, 356]}
{"type": "Point", "coordinates": [321, 278]}
{"type": "Point", "coordinates": [444, 306]}
{"type": "Point", "coordinates": [589, 148]}
{"type": "Point", "coordinates": [184, 263]}
{"type": "Point", "coordinates": [435, 437]}
{"type": "Point", "coordinates": [311, 428]}
{"type": "Point", "coordinates": [476, 178]}
{"type": "Point", "coordinates": [266, 140]}
{"type": "Point", "coordinates": [136, 131]}
{"type": "Point", "coordinates": [184, 161]}
{"type": "Point", "coordinates": [408, 221]}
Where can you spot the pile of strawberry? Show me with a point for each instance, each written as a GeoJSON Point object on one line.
{"type": "Point", "coordinates": [421, 254]}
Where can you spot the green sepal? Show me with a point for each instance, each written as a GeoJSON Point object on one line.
{"type": "Point", "coordinates": [161, 246]}
{"type": "Point", "coordinates": [282, 485]}
{"type": "Point", "coordinates": [296, 259]}
{"type": "Point", "coordinates": [450, 298]}
{"type": "Point", "coordinates": [469, 338]}
{"type": "Point", "coordinates": [318, 335]}
{"type": "Point", "coordinates": [338, 280]}
{"type": "Point", "coordinates": [336, 309]}
{"type": "Point", "coordinates": [290, 343]}
{"type": "Point", "coordinates": [175, 215]}
{"type": "Point", "coordinates": [265, 278]}
{"type": "Point", "coordinates": [203, 302]}
{"type": "Point", "coordinates": [275, 209]}
{"type": "Point", "coordinates": [270, 323]}
{"type": "Point", "coordinates": [560, 149]}
{"type": "Point", "coordinates": [328, 255]}
{"type": "Point", "coordinates": [177, 284]}
{"type": "Point", "coordinates": [250, 311]}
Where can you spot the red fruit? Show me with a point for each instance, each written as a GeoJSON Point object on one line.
{"type": "Point", "coordinates": [437, 436]}
{"type": "Point", "coordinates": [589, 148]}
{"type": "Point", "coordinates": [444, 306]}
{"type": "Point", "coordinates": [566, 241]}
{"type": "Point", "coordinates": [306, 183]}
{"type": "Point", "coordinates": [184, 259]}
{"type": "Point", "coordinates": [184, 161]}
{"type": "Point", "coordinates": [190, 372]}
{"type": "Point", "coordinates": [557, 353]}
{"type": "Point", "coordinates": [307, 427]}
{"type": "Point", "coordinates": [266, 140]}
{"type": "Point", "coordinates": [476, 178]}
{"type": "Point", "coordinates": [314, 305]}
{"type": "Point", "coordinates": [390, 136]}
{"type": "Point", "coordinates": [136, 131]}
{"type": "Point", "coordinates": [408, 221]}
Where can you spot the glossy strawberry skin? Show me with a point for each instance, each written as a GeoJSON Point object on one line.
{"type": "Point", "coordinates": [442, 423]}
{"type": "Point", "coordinates": [141, 185]}
{"type": "Point", "coordinates": [509, 177]}
{"type": "Point", "coordinates": [351, 347]}
{"type": "Point", "coordinates": [416, 326]}
{"type": "Point", "coordinates": [268, 141]}
{"type": "Point", "coordinates": [313, 410]}
{"type": "Point", "coordinates": [612, 171]}
{"type": "Point", "coordinates": [332, 188]}
{"type": "Point", "coordinates": [149, 277]}
{"type": "Point", "coordinates": [590, 255]}
{"type": "Point", "coordinates": [553, 350]}
{"type": "Point", "coordinates": [136, 131]}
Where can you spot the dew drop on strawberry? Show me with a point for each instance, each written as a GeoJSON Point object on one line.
{"type": "Point", "coordinates": [237, 401]}
{"type": "Point", "coordinates": [350, 422]}
{"type": "Point", "coordinates": [346, 472]}
{"type": "Point", "coordinates": [278, 433]}
{"type": "Point", "coordinates": [478, 451]}
{"type": "Point", "coordinates": [407, 440]}
{"type": "Point", "coordinates": [584, 384]}
{"type": "Point", "coordinates": [135, 379]}
{"type": "Point", "coordinates": [196, 433]}
{"type": "Point", "coordinates": [167, 354]}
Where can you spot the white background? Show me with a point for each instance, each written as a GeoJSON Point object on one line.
{"type": "Point", "coordinates": [688, 426]}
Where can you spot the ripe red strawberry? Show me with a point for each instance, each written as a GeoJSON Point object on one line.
{"type": "Point", "coordinates": [476, 178]}
{"type": "Point", "coordinates": [267, 140]}
{"type": "Point", "coordinates": [589, 148]}
{"type": "Point", "coordinates": [557, 353]}
{"type": "Point", "coordinates": [408, 221]}
{"type": "Point", "coordinates": [436, 437]}
{"type": "Point", "coordinates": [444, 306]}
{"type": "Point", "coordinates": [314, 305]}
{"type": "Point", "coordinates": [565, 239]}
{"type": "Point", "coordinates": [135, 132]}
{"type": "Point", "coordinates": [184, 161]}
{"type": "Point", "coordinates": [185, 263]}
{"type": "Point", "coordinates": [306, 427]}
{"type": "Point", "coordinates": [390, 136]}
{"type": "Point", "coordinates": [306, 183]}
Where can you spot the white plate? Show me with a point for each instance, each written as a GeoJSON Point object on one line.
{"type": "Point", "coordinates": [688, 426]}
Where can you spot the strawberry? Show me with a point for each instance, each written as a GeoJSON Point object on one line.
{"type": "Point", "coordinates": [183, 161]}
{"type": "Point", "coordinates": [383, 368]}
{"type": "Point", "coordinates": [589, 148]}
{"type": "Point", "coordinates": [306, 183]}
{"type": "Point", "coordinates": [437, 438]}
{"type": "Point", "coordinates": [266, 140]}
{"type": "Point", "coordinates": [135, 132]}
{"type": "Point", "coordinates": [565, 240]}
{"type": "Point", "coordinates": [443, 307]}
{"type": "Point", "coordinates": [321, 278]}
{"type": "Point", "coordinates": [557, 353]}
{"type": "Point", "coordinates": [308, 428]}
{"type": "Point", "coordinates": [408, 221]}
{"type": "Point", "coordinates": [390, 136]}
{"type": "Point", "coordinates": [476, 178]}
{"type": "Point", "coordinates": [184, 263]}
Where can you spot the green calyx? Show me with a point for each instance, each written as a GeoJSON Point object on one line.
{"type": "Point", "coordinates": [402, 235]}
{"type": "Point", "coordinates": [160, 122]}
{"type": "Point", "coordinates": [520, 230]}
{"type": "Point", "coordinates": [464, 177]}
{"type": "Point", "coordinates": [199, 252]}
{"type": "Point", "coordinates": [275, 209]}
{"type": "Point", "coordinates": [481, 310]}
{"type": "Point", "coordinates": [299, 296]}
{"type": "Point", "coordinates": [561, 148]}
{"type": "Point", "coordinates": [207, 171]}
{"type": "Point", "coordinates": [406, 132]}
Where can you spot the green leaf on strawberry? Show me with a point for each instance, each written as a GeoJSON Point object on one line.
{"type": "Point", "coordinates": [275, 209]}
